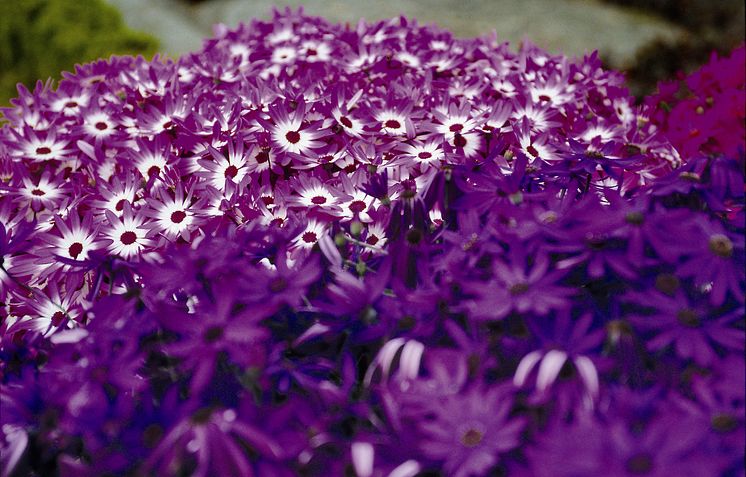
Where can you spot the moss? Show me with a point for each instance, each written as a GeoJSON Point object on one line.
{"type": "Point", "coordinates": [41, 38]}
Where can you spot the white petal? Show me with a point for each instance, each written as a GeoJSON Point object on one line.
{"type": "Point", "coordinates": [409, 362]}
{"type": "Point", "coordinates": [525, 366]}
{"type": "Point", "coordinates": [362, 458]}
{"type": "Point", "coordinates": [588, 374]}
{"type": "Point", "coordinates": [408, 469]}
{"type": "Point", "coordinates": [550, 368]}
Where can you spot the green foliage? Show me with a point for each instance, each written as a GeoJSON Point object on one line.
{"type": "Point", "coordinates": [41, 38]}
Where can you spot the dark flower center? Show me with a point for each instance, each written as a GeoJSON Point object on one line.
{"type": "Point", "coordinates": [456, 127]}
{"type": "Point", "coordinates": [414, 236]}
{"type": "Point", "coordinates": [721, 246]}
{"type": "Point", "coordinates": [262, 157]}
{"type": "Point", "coordinates": [292, 136]}
{"type": "Point", "coordinates": [345, 121]}
{"type": "Point", "coordinates": [424, 155]}
{"type": "Point", "coordinates": [120, 204]}
{"type": "Point", "coordinates": [152, 435]}
{"type": "Point", "coordinates": [268, 200]}
{"type": "Point", "coordinates": [212, 334]}
{"type": "Point", "coordinates": [71, 104]}
{"type": "Point", "coordinates": [392, 124]}
{"type": "Point", "coordinates": [37, 192]}
{"type": "Point", "coordinates": [724, 423]}
{"type": "Point", "coordinates": [278, 285]}
{"type": "Point", "coordinates": [178, 216]}
{"type": "Point", "coordinates": [75, 249]}
{"type": "Point", "coordinates": [635, 218]}
{"type": "Point", "coordinates": [168, 125]}
{"type": "Point", "coordinates": [309, 237]}
{"type": "Point", "coordinates": [667, 283]}
{"type": "Point", "coordinates": [43, 150]}
{"type": "Point", "coordinates": [688, 318]}
{"type": "Point", "coordinates": [471, 438]}
{"type": "Point", "coordinates": [544, 97]}
{"type": "Point", "coordinates": [371, 240]}
{"type": "Point", "coordinates": [318, 200]}
{"type": "Point", "coordinates": [532, 150]}
{"type": "Point", "coordinates": [231, 171]}
{"type": "Point", "coordinates": [311, 52]}
{"type": "Point", "coordinates": [640, 464]}
{"type": "Point", "coordinates": [154, 171]}
{"type": "Point", "coordinates": [459, 140]}
{"type": "Point", "coordinates": [519, 289]}
{"type": "Point", "coordinates": [101, 125]}
{"type": "Point", "coordinates": [202, 416]}
{"type": "Point", "coordinates": [128, 237]}
{"type": "Point", "coordinates": [357, 206]}
{"type": "Point", "coordinates": [57, 318]}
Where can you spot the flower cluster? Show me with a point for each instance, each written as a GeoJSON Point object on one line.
{"type": "Point", "coordinates": [371, 250]}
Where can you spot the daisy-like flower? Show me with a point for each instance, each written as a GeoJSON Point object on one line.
{"type": "Point", "coordinates": [116, 195]}
{"type": "Point", "coordinates": [128, 235]}
{"type": "Point", "coordinates": [151, 159]}
{"type": "Point", "coordinates": [289, 132]}
{"type": "Point", "coordinates": [315, 51]}
{"type": "Point", "coordinates": [98, 125]}
{"type": "Point", "coordinates": [424, 154]}
{"type": "Point", "coordinates": [224, 170]}
{"type": "Point", "coordinates": [47, 193]}
{"type": "Point", "coordinates": [283, 55]}
{"type": "Point", "coordinates": [314, 193]}
{"type": "Point", "coordinates": [469, 430]}
{"type": "Point", "coordinates": [173, 216]}
{"type": "Point", "coordinates": [51, 311]}
{"type": "Point", "coordinates": [76, 238]}
{"type": "Point", "coordinates": [310, 235]}
{"type": "Point", "coordinates": [395, 123]}
{"type": "Point", "coordinates": [31, 146]}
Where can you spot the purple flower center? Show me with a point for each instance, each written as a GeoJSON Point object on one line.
{"type": "Point", "coordinates": [231, 171]}
{"type": "Point", "coordinates": [293, 137]}
{"type": "Point", "coordinates": [532, 150]}
{"type": "Point", "coordinates": [309, 237]}
{"type": "Point", "coordinates": [262, 157]}
{"type": "Point", "coordinates": [456, 127]}
{"type": "Point", "coordinates": [178, 216]}
{"type": "Point", "coordinates": [58, 318]}
{"type": "Point", "coordinates": [43, 150]}
{"type": "Point", "coordinates": [75, 249]}
{"type": "Point", "coordinates": [37, 192]}
{"type": "Point", "coordinates": [128, 237]}
{"type": "Point", "coordinates": [345, 121]}
{"type": "Point", "coordinates": [424, 155]}
{"type": "Point", "coordinates": [392, 124]}
{"type": "Point", "coordinates": [357, 206]}
{"type": "Point", "coordinates": [459, 140]}
{"type": "Point", "coordinates": [101, 125]}
{"type": "Point", "coordinates": [318, 200]}
{"type": "Point", "coordinates": [154, 171]}
{"type": "Point", "coordinates": [371, 240]}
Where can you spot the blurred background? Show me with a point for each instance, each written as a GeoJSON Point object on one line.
{"type": "Point", "coordinates": [650, 40]}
